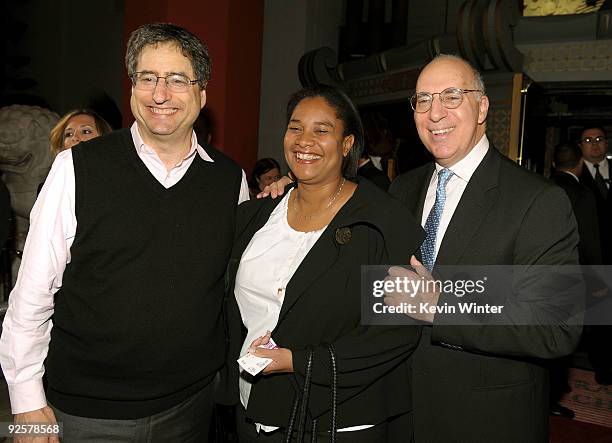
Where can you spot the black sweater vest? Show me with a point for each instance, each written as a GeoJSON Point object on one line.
{"type": "Point", "coordinates": [137, 323]}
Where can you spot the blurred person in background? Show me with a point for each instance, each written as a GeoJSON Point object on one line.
{"type": "Point", "coordinates": [265, 172]}
{"type": "Point", "coordinates": [75, 127]}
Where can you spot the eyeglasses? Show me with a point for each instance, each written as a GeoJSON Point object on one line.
{"type": "Point", "coordinates": [147, 81]}
{"type": "Point", "coordinates": [450, 98]}
{"type": "Point", "coordinates": [591, 140]}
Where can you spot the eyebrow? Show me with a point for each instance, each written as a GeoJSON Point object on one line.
{"type": "Point", "coordinates": [79, 126]}
{"type": "Point", "coordinates": [165, 73]}
{"type": "Point", "coordinates": [295, 120]}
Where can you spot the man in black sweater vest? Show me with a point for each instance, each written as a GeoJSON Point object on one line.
{"type": "Point", "coordinates": [121, 287]}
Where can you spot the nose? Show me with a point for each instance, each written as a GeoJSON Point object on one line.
{"type": "Point", "coordinates": [161, 93]}
{"type": "Point", "coordinates": [304, 140]}
{"type": "Point", "coordinates": [437, 112]}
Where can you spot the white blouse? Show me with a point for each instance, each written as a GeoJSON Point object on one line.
{"type": "Point", "coordinates": [266, 266]}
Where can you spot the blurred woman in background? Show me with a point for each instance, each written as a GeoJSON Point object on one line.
{"type": "Point", "coordinates": [75, 127]}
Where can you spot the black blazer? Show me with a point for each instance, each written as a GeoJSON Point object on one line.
{"type": "Point", "coordinates": [322, 305]}
{"type": "Point", "coordinates": [375, 175]}
{"type": "Point", "coordinates": [604, 213]}
{"type": "Point", "coordinates": [484, 383]}
{"type": "Point", "coordinates": [585, 209]}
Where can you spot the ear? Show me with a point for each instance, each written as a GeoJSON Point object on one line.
{"type": "Point", "coordinates": [202, 98]}
{"type": "Point", "coordinates": [483, 109]}
{"type": "Point", "coordinates": [347, 144]}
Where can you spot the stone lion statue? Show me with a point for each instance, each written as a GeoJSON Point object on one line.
{"type": "Point", "coordinates": [25, 160]}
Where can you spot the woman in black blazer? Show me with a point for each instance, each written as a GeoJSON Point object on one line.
{"type": "Point", "coordinates": [295, 271]}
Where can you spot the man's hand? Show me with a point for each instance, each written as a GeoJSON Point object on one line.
{"type": "Point", "coordinates": [275, 189]}
{"type": "Point", "coordinates": [424, 302]}
{"type": "Point", "coordinates": [39, 416]}
{"type": "Point", "coordinates": [282, 358]}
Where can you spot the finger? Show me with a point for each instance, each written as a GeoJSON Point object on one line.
{"type": "Point", "coordinates": [275, 190]}
{"type": "Point", "coordinates": [392, 301]}
{"type": "Point", "coordinates": [265, 353]}
{"type": "Point", "coordinates": [266, 338]}
{"type": "Point", "coordinates": [264, 193]}
{"type": "Point", "coordinates": [255, 344]}
{"type": "Point", "coordinates": [398, 271]}
{"type": "Point", "coordinates": [421, 270]}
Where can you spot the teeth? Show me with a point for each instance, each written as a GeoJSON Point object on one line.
{"type": "Point", "coordinates": [441, 131]}
{"type": "Point", "coordinates": [301, 156]}
{"type": "Point", "coordinates": [164, 111]}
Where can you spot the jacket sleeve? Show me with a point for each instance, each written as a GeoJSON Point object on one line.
{"type": "Point", "coordinates": [364, 354]}
{"type": "Point", "coordinates": [539, 314]}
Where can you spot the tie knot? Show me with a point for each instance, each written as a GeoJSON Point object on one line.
{"type": "Point", "coordinates": [444, 176]}
{"type": "Point", "coordinates": [596, 165]}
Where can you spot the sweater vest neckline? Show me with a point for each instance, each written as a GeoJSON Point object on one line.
{"type": "Point", "coordinates": [133, 158]}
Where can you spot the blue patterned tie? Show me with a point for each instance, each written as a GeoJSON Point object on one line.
{"type": "Point", "coordinates": [428, 248]}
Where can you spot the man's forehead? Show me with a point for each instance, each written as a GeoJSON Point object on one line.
{"type": "Point", "coordinates": [154, 51]}
{"type": "Point", "coordinates": [440, 75]}
{"type": "Point", "coordinates": [592, 132]}
{"type": "Point", "coordinates": [166, 54]}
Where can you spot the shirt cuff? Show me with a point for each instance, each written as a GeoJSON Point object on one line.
{"type": "Point", "coordinates": [27, 396]}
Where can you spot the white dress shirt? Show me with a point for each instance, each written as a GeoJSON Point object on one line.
{"type": "Point", "coordinates": [462, 172]}
{"type": "Point", "coordinates": [27, 325]}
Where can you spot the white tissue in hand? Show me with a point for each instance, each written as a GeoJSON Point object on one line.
{"type": "Point", "coordinates": [254, 365]}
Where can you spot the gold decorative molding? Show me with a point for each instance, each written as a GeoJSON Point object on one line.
{"type": "Point", "coordinates": [538, 8]}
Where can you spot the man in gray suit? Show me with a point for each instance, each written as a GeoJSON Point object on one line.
{"type": "Point", "coordinates": [481, 382]}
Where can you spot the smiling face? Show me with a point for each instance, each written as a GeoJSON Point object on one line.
{"type": "Point", "coordinates": [163, 116]}
{"type": "Point", "coordinates": [594, 152]}
{"type": "Point", "coordinates": [315, 145]}
{"type": "Point", "coordinates": [79, 128]}
{"type": "Point", "coordinates": [450, 134]}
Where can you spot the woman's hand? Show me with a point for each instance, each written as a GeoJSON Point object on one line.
{"type": "Point", "coordinates": [276, 189]}
{"type": "Point", "coordinates": [282, 358]}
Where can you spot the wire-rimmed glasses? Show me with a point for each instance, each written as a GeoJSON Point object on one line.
{"type": "Point", "coordinates": [450, 98]}
{"type": "Point", "coordinates": [147, 81]}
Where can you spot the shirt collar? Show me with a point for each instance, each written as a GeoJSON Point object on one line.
{"type": "Point", "coordinates": [603, 166]}
{"type": "Point", "coordinates": [195, 147]}
{"type": "Point", "coordinates": [465, 167]}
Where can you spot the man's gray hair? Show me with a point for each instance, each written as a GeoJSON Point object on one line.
{"type": "Point", "coordinates": [153, 34]}
{"type": "Point", "coordinates": [478, 80]}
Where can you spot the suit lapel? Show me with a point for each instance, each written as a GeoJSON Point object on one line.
{"type": "Point", "coordinates": [417, 193]}
{"type": "Point", "coordinates": [587, 179]}
{"type": "Point", "coordinates": [422, 193]}
{"type": "Point", "coordinates": [475, 203]}
{"type": "Point", "coordinates": [318, 260]}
